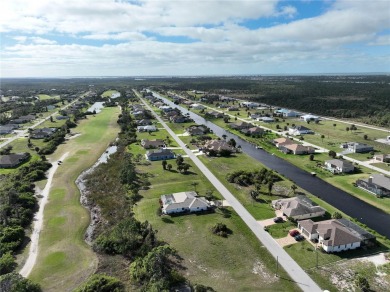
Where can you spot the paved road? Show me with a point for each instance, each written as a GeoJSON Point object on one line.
{"type": "Point", "coordinates": [290, 266]}
{"type": "Point", "coordinates": [25, 132]}
{"type": "Point", "coordinates": [322, 149]}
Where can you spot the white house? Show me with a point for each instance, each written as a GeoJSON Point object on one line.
{"type": "Point", "coordinates": [250, 104]}
{"type": "Point", "coordinates": [335, 235]}
{"type": "Point", "coordinates": [300, 130]}
{"type": "Point", "coordinates": [183, 202]}
{"type": "Point", "coordinates": [339, 166]}
{"type": "Point", "coordinates": [266, 119]}
{"type": "Point", "coordinates": [197, 106]}
{"type": "Point", "coordinates": [310, 118]}
{"type": "Point", "coordinates": [147, 128]}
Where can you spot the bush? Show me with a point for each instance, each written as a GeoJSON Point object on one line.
{"type": "Point", "coordinates": [101, 283]}
{"type": "Point", "coordinates": [13, 282]}
{"type": "Point", "coordinates": [221, 230]}
{"type": "Point", "coordinates": [7, 263]}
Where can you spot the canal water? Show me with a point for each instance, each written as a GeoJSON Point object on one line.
{"type": "Point", "coordinates": [367, 214]}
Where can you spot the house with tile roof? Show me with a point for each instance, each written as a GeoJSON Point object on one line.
{"type": "Point", "coordinates": [150, 144]}
{"type": "Point", "coordinates": [336, 235]}
{"type": "Point", "coordinates": [296, 149]}
{"type": "Point", "coordinates": [183, 202]}
{"type": "Point", "coordinates": [298, 208]}
{"type": "Point", "coordinates": [282, 141]}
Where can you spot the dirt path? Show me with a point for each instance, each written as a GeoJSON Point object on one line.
{"type": "Point", "coordinates": [38, 220]}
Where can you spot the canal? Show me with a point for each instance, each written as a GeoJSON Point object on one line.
{"type": "Point", "coordinates": [365, 213]}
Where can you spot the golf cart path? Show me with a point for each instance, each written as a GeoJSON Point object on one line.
{"type": "Point", "coordinates": [38, 221]}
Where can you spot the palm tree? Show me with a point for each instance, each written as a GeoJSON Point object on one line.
{"type": "Point", "coordinates": [194, 184]}
{"type": "Point", "coordinates": [293, 188]}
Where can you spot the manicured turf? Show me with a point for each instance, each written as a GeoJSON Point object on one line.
{"type": "Point", "coordinates": [108, 93]}
{"type": "Point", "coordinates": [64, 259]}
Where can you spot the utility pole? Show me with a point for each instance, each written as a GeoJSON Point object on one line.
{"type": "Point", "coordinates": [277, 266]}
{"type": "Point", "coordinates": [316, 256]}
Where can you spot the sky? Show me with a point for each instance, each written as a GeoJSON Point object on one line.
{"type": "Point", "coordinates": [74, 38]}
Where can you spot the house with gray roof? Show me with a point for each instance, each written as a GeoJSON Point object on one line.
{"type": "Point", "coordinates": [299, 130]}
{"type": "Point", "coordinates": [148, 144]}
{"type": "Point", "coordinates": [298, 208]}
{"type": "Point", "coordinates": [160, 154]}
{"type": "Point", "coordinates": [339, 166]}
{"type": "Point", "coordinates": [357, 147]}
{"type": "Point", "coordinates": [8, 129]}
{"type": "Point", "coordinates": [336, 235]}
{"type": "Point", "coordinates": [377, 184]}
{"type": "Point", "coordinates": [42, 133]}
{"type": "Point", "coordinates": [13, 160]}
{"type": "Point", "coordinates": [183, 202]}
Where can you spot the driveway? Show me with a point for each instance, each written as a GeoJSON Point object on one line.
{"type": "Point", "coordinates": [297, 274]}
{"type": "Point", "coordinates": [284, 241]}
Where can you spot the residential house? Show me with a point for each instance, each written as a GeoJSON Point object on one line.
{"type": "Point", "coordinates": [179, 119]}
{"type": "Point", "coordinates": [382, 158]}
{"type": "Point", "coordinates": [255, 116]}
{"type": "Point", "coordinates": [336, 235]}
{"type": "Point", "coordinates": [8, 129]}
{"type": "Point", "coordinates": [214, 114]}
{"type": "Point", "coordinates": [197, 106]}
{"type": "Point", "coordinates": [266, 119]}
{"type": "Point", "coordinates": [299, 130]}
{"type": "Point", "coordinates": [23, 119]}
{"type": "Point", "coordinates": [149, 144]}
{"type": "Point", "coordinates": [183, 202]}
{"type": "Point", "coordinates": [161, 154]}
{"type": "Point", "coordinates": [42, 133]}
{"type": "Point", "coordinates": [286, 113]}
{"type": "Point", "coordinates": [339, 166]}
{"type": "Point", "coordinates": [310, 118]}
{"type": "Point", "coordinates": [357, 147]}
{"type": "Point", "coordinates": [298, 208]}
{"type": "Point", "coordinates": [13, 160]}
{"type": "Point", "coordinates": [296, 149]}
{"type": "Point", "coordinates": [253, 131]}
{"type": "Point", "coordinates": [377, 184]}
{"type": "Point", "coordinates": [233, 108]}
{"type": "Point", "coordinates": [143, 122]}
{"type": "Point", "coordinates": [166, 108]}
{"type": "Point", "coordinates": [240, 125]}
{"type": "Point", "coordinates": [217, 146]}
{"type": "Point", "coordinates": [282, 141]}
{"type": "Point", "coordinates": [148, 128]}
{"type": "Point", "coordinates": [249, 104]}
{"type": "Point", "coordinates": [196, 130]}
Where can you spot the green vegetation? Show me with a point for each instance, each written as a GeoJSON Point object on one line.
{"type": "Point", "coordinates": [64, 255]}
{"type": "Point", "coordinates": [101, 283]}
{"type": "Point", "coordinates": [12, 282]}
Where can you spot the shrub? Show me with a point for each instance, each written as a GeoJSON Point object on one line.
{"type": "Point", "coordinates": [101, 283]}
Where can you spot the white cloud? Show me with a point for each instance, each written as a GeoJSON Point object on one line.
{"type": "Point", "coordinates": [222, 43]}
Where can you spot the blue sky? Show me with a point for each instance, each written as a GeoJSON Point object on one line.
{"type": "Point", "coordinates": [53, 38]}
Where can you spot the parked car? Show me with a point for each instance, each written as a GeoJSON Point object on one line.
{"type": "Point", "coordinates": [299, 237]}
{"type": "Point", "coordinates": [278, 219]}
{"type": "Point", "coordinates": [294, 233]}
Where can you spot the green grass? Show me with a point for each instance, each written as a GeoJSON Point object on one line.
{"type": "Point", "coordinates": [209, 259]}
{"type": "Point", "coordinates": [381, 165]}
{"type": "Point", "coordinates": [64, 258]}
{"type": "Point", "coordinates": [108, 93]}
{"type": "Point", "coordinates": [45, 96]}
{"type": "Point", "coordinates": [280, 230]}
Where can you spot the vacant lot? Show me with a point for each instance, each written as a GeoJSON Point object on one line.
{"type": "Point", "coordinates": [236, 263]}
{"type": "Point", "coordinates": [64, 258]}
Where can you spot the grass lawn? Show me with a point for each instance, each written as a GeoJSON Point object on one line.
{"type": "Point", "coordinates": [280, 230]}
{"type": "Point", "coordinates": [382, 165]}
{"type": "Point", "coordinates": [222, 166]}
{"type": "Point", "coordinates": [305, 254]}
{"type": "Point", "coordinates": [65, 260]}
{"type": "Point", "coordinates": [45, 96]}
{"type": "Point", "coordinates": [108, 93]}
{"type": "Point", "coordinates": [209, 259]}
